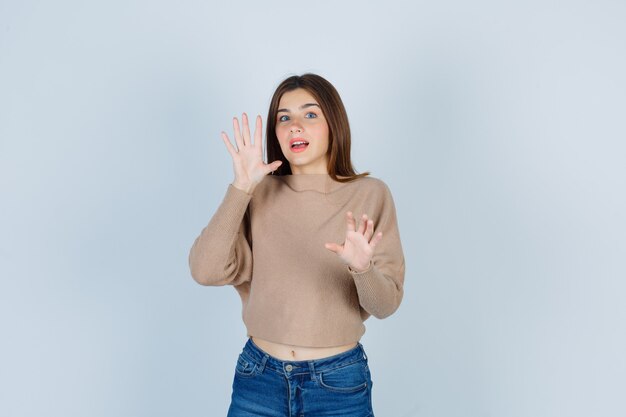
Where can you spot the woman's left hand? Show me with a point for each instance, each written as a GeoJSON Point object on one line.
{"type": "Point", "coordinates": [358, 249]}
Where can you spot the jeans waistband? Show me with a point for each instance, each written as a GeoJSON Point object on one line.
{"type": "Point", "coordinates": [323, 364]}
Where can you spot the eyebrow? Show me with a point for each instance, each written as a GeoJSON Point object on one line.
{"type": "Point", "coordinates": [304, 106]}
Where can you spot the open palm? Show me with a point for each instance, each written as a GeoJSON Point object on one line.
{"type": "Point", "coordinates": [358, 247]}
{"type": "Point", "coordinates": [248, 156]}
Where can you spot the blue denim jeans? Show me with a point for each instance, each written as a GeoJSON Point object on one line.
{"type": "Point", "coordinates": [338, 385]}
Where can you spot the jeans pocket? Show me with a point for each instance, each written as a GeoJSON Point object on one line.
{"type": "Point", "coordinates": [245, 367]}
{"type": "Point", "coordinates": [348, 378]}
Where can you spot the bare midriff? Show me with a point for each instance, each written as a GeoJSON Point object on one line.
{"type": "Point", "coordinates": [299, 353]}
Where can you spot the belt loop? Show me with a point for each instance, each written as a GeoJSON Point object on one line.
{"type": "Point", "coordinates": [312, 369]}
{"type": "Point", "coordinates": [263, 362]}
{"type": "Point", "coordinates": [362, 351]}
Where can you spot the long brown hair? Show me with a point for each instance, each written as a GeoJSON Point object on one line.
{"type": "Point", "coordinates": [339, 162]}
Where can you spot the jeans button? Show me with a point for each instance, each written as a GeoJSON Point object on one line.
{"type": "Point", "coordinates": [288, 368]}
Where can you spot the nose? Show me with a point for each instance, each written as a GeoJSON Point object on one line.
{"type": "Point", "coordinates": [295, 127]}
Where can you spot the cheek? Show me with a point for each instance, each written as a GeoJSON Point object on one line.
{"type": "Point", "coordinates": [323, 134]}
{"type": "Point", "coordinates": [283, 138]}
{"type": "Point", "coordinates": [280, 132]}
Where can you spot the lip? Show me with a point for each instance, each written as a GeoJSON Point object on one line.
{"type": "Point", "coordinates": [296, 150]}
{"type": "Point", "coordinates": [297, 139]}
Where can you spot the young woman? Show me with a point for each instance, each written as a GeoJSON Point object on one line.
{"type": "Point", "coordinates": [286, 237]}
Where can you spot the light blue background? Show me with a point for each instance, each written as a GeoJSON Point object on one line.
{"type": "Point", "coordinates": [498, 126]}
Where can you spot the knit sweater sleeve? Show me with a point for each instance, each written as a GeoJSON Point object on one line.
{"type": "Point", "coordinates": [222, 254]}
{"type": "Point", "coordinates": [380, 287]}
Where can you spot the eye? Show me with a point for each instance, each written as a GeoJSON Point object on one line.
{"type": "Point", "coordinates": [314, 115]}
{"type": "Point", "coordinates": [280, 119]}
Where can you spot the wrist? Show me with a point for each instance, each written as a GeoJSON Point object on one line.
{"type": "Point", "coordinates": [360, 270]}
{"type": "Point", "coordinates": [246, 188]}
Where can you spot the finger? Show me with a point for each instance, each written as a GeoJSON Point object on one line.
{"type": "Point", "coordinates": [369, 230]}
{"type": "Point", "coordinates": [246, 129]}
{"type": "Point", "coordinates": [274, 166]}
{"type": "Point", "coordinates": [351, 225]}
{"type": "Point", "coordinates": [362, 224]}
{"type": "Point", "coordinates": [238, 138]}
{"type": "Point", "coordinates": [258, 130]}
{"type": "Point", "coordinates": [376, 239]}
{"type": "Point", "coordinates": [229, 146]}
{"type": "Point", "coordinates": [333, 247]}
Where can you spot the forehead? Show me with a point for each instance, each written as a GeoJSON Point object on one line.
{"type": "Point", "coordinates": [294, 98]}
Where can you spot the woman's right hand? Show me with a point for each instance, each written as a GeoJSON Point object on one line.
{"type": "Point", "coordinates": [248, 158]}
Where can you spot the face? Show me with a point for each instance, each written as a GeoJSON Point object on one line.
{"type": "Point", "coordinates": [300, 118]}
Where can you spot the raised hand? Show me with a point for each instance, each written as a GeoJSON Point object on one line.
{"type": "Point", "coordinates": [358, 248]}
{"type": "Point", "coordinates": [248, 156]}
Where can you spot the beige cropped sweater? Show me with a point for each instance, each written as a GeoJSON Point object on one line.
{"type": "Point", "coordinates": [269, 245]}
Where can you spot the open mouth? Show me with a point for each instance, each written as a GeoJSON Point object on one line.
{"type": "Point", "coordinates": [300, 144]}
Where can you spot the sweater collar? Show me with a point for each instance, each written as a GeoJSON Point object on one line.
{"type": "Point", "coordinates": [322, 183]}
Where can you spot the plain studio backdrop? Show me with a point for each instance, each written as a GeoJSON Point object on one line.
{"type": "Point", "coordinates": [498, 126]}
